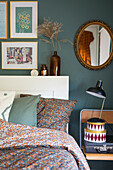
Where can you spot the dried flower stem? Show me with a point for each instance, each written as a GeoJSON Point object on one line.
{"type": "Point", "coordinates": [49, 30]}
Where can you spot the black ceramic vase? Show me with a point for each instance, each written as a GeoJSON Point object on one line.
{"type": "Point", "coordinates": [55, 65]}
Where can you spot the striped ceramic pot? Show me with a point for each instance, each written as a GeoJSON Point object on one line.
{"type": "Point", "coordinates": [95, 131]}
{"type": "Point", "coordinates": [94, 136]}
{"type": "Point", "coordinates": [96, 124]}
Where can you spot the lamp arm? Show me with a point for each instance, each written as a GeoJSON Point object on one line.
{"type": "Point", "coordinates": [102, 108]}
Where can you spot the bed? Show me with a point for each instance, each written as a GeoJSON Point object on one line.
{"type": "Point", "coordinates": [35, 134]}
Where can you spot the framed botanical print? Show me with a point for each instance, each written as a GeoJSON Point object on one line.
{"type": "Point", "coordinates": [19, 55]}
{"type": "Point", "coordinates": [3, 20]}
{"type": "Point", "coordinates": [23, 19]}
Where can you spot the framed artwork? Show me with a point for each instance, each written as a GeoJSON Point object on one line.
{"type": "Point", "coordinates": [3, 20]}
{"type": "Point", "coordinates": [19, 55]}
{"type": "Point", "coordinates": [23, 19]}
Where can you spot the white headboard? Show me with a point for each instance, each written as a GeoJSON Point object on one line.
{"type": "Point", "coordinates": [47, 86]}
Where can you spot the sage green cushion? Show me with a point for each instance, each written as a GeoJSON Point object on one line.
{"type": "Point", "coordinates": [24, 111]}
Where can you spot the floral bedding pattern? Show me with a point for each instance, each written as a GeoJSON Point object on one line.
{"type": "Point", "coordinates": [16, 141]}
{"type": "Point", "coordinates": [37, 158]}
{"type": "Point", "coordinates": [55, 114]}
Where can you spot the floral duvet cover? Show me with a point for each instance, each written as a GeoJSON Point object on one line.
{"type": "Point", "coordinates": [25, 147]}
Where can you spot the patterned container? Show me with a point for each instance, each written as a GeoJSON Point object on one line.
{"type": "Point", "coordinates": [96, 124]}
{"type": "Point", "coordinates": [95, 131]}
{"type": "Point", "coordinates": [94, 136]}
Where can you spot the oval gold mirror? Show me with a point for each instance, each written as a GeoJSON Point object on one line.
{"type": "Point", "coordinates": [94, 45]}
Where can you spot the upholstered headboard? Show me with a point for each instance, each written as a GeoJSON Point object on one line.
{"type": "Point", "coordinates": [47, 86]}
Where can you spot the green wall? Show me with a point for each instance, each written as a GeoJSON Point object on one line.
{"type": "Point", "coordinates": [72, 14]}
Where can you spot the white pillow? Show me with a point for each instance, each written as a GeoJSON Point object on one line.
{"type": "Point", "coordinates": [6, 101]}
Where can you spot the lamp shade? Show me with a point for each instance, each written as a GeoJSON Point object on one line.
{"type": "Point", "coordinates": [97, 91]}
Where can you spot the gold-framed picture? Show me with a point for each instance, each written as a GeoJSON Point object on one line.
{"type": "Point", "coordinates": [19, 55]}
{"type": "Point", "coordinates": [3, 20]}
{"type": "Point", "coordinates": [23, 19]}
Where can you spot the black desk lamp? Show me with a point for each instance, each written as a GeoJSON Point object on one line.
{"type": "Point", "coordinates": [98, 92]}
{"type": "Point", "coordinates": [95, 131]}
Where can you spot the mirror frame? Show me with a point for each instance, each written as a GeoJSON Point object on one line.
{"type": "Point", "coordinates": [76, 44]}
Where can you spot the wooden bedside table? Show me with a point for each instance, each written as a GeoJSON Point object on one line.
{"type": "Point", "coordinates": [86, 114]}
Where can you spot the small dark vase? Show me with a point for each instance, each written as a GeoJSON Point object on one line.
{"type": "Point", "coordinates": [55, 65]}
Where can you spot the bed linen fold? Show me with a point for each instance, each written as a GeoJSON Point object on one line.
{"type": "Point", "coordinates": [19, 137]}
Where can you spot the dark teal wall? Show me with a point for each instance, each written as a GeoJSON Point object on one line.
{"type": "Point", "coordinates": [72, 14]}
